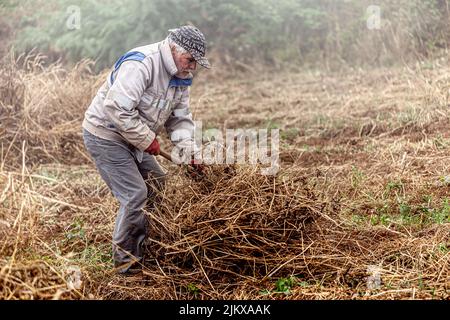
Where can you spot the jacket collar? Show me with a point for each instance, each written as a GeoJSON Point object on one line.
{"type": "Point", "coordinates": [167, 58]}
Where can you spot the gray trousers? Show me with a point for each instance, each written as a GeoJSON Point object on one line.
{"type": "Point", "coordinates": [134, 184]}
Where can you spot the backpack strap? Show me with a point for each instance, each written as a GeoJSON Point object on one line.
{"type": "Point", "coordinates": [129, 56]}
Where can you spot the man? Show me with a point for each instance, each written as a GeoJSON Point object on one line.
{"type": "Point", "coordinates": [147, 91]}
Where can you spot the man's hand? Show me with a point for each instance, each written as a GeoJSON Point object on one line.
{"type": "Point", "coordinates": [153, 148]}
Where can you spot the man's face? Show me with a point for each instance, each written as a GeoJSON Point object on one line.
{"type": "Point", "coordinates": [185, 63]}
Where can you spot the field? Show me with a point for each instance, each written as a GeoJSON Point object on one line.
{"type": "Point", "coordinates": [359, 210]}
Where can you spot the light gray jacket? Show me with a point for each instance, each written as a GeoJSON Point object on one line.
{"type": "Point", "coordinates": [140, 98]}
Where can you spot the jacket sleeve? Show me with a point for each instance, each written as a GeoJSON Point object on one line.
{"type": "Point", "coordinates": [121, 101]}
{"type": "Point", "coordinates": [180, 127]}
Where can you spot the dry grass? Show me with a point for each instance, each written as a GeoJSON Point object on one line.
{"type": "Point", "coordinates": [362, 186]}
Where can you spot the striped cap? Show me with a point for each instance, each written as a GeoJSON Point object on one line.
{"type": "Point", "coordinates": [191, 39]}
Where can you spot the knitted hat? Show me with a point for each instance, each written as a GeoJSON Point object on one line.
{"type": "Point", "coordinates": [193, 41]}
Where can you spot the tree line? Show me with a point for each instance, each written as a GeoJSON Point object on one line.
{"type": "Point", "coordinates": [271, 32]}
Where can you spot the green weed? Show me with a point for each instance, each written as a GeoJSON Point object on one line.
{"type": "Point", "coordinates": [193, 289]}
{"type": "Point", "coordinates": [357, 177]}
{"type": "Point", "coordinates": [289, 134]}
{"type": "Point", "coordinates": [76, 231]}
{"type": "Point", "coordinates": [284, 285]}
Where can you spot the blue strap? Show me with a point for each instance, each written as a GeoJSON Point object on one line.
{"type": "Point", "coordinates": [178, 82]}
{"type": "Point", "coordinates": [132, 55]}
